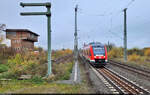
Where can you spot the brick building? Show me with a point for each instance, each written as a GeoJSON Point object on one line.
{"type": "Point", "coordinates": [21, 39]}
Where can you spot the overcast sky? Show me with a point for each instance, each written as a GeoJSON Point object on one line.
{"type": "Point", "coordinates": [98, 20]}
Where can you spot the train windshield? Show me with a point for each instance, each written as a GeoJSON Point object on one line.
{"type": "Point", "coordinates": [99, 50]}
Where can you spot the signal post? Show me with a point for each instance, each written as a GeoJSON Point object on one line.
{"type": "Point", "coordinates": [48, 14]}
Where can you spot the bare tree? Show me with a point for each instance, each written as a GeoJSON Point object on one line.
{"type": "Point", "coordinates": [2, 28]}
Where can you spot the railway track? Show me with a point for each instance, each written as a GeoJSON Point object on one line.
{"type": "Point", "coordinates": [122, 84]}
{"type": "Point", "coordinates": [117, 83]}
{"type": "Point", "coordinates": [131, 68]}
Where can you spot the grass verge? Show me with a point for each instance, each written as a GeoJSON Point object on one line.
{"type": "Point", "coordinates": [31, 86]}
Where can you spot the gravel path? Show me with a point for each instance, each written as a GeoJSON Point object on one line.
{"type": "Point", "coordinates": [139, 79]}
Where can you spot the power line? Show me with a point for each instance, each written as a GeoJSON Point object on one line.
{"type": "Point", "coordinates": [112, 14]}
{"type": "Point", "coordinates": [115, 34]}
{"type": "Point", "coordinates": [110, 30]}
{"type": "Point", "coordinates": [111, 22]}
{"type": "Point", "coordinates": [89, 14]}
{"type": "Point", "coordinates": [116, 14]}
{"type": "Point", "coordinates": [129, 3]}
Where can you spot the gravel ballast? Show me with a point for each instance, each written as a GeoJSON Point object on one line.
{"type": "Point", "coordinates": [139, 79]}
{"type": "Point", "coordinates": [96, 83]}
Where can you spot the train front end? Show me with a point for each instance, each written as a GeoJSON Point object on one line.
{"type": "Point", "coordinates": [99, 55]}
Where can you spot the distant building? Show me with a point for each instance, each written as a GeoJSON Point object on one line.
{"type": "Point", "coordinates": [21, 39]}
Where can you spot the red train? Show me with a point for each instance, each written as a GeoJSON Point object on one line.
{"type": "Point", "coordinates": [96, 53]}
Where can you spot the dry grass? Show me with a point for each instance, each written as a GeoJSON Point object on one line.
{"type": "Point", "coordinates": [27, 87]}
{"type": "Point", "coordinates": [137, 57]}
{"type": "Point", "coordinates": [141, 62]}
{"type": "Point", "coordinates": [134, 57]}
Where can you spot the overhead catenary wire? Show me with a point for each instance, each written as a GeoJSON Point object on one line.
{"type": "Point", "coordinates": [111, 23]}
{"type": "Point", "coordinates": [110, 29]}
{"type": "Point", "coordinates": [129, 3]}
{"type": "Point", "coordinates": [112, 14]}
{"type": "Point", "coordinates": [116, 14]}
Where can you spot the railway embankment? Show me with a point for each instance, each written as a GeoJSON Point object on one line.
{"type": "Point", "coordinates": [145, 66]}
{"type": "Point", "coordinates": [94, 79]}
{"type": "Point", "coordinates": [136, 74]}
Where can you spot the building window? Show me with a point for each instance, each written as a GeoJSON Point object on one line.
{"type": "Point", "coordinates": [32, 35]}
{"type": "Point", "coordinates": [11, 33]}
{"type": "Point", "coordinates": [16, 41]}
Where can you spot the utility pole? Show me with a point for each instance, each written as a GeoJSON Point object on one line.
{"type": "Point", "coordinates": [125, 35]}
{"type": "Point", "coordinates": [76, 46]}
{"type": "Point", "coordinates": [48, 14]}
{"type": "Point", "coordinates": [108, 49]}
{"type": "Point", "coordinates": [75, 34]}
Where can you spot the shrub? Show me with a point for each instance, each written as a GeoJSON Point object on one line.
{"type": "Point", "coordinates": [136, 51]}
{"type": "Point", "coordinates": [29, 63]}
{"type": "Point", "coordinates": [147, 52]}
{"type": "Point", "coordinates": [8, 75]}
{"type": "Point", "coordinates": [59, 53]}
{"type": "Point", "coordinates": [62, 71]}
{"type": "Point", "coordinates": [17, 60]}
{"type": "Point", "coordinates": [3, 68]}
{"type": "Point", "coordinates": [134, 57]}
{"type": "Point", "coordinates": [115, 53]}
{"type": "Point", "coordinates": [37, 79]}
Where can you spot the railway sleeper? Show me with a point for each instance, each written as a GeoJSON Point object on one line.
{"type": "Point", "coordinates": [140, 88]}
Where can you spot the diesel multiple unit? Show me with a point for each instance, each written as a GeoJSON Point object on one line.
{"type": "Point", "coordinates": [96, 53]}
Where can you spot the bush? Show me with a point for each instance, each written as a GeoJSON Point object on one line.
{"type": "Point", "coordinates": [34, 64]}
{"type": "Point", "coordinates": [147, 52]}
{"type": "Point", "coordinates": [37, 80]}
{"type": "Point", "coordinates": [27, 64]}
{"type": "Point", "coordinates": [134, 57]}
{"type": "Point", "coordinates": [115, 53]}
{"type": "Point", "coordinates": [62, 71]}
{"type": "Point", "coordinates": [136, 51]}
{"type": "Point", "coordinates": [8, 75]}
{"type": "Point", "coordinates": [59, 53]}
{"type": "Point", "coordinates": [3, 68]}
{"type": "Point", "coordinates": [17, 60]}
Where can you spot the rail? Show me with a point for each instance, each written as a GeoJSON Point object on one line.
{"type": "Point", "coordinates": [121, 84]}
{"type": "Point", "coordinates": [124, 84]}
{"type": "Point", "coordinates": [131, 68]}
